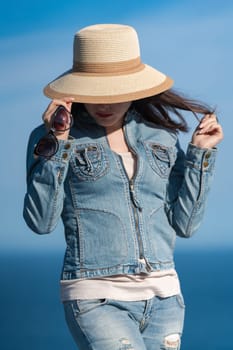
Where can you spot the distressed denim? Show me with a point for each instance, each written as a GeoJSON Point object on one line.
{"type": "Point", "coordinates": [114, 225]}
{"type": "Point", "coordinates": [105, 324]}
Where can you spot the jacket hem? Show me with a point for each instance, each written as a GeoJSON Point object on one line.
{"type": "Point", "coordinates": [116, 270]}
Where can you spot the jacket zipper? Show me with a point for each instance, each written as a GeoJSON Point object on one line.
{"type": "Point", "coordinates": [136, 207]}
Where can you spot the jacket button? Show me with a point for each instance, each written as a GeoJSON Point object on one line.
{"type": "Point", "coordinates": [207, 156]}
{"type": "Point", "coordinates": [67, 146]}
{"type": "Point", "coordinates": [65, 156]}
{"type": "Point", "coordinates": [205, 164]}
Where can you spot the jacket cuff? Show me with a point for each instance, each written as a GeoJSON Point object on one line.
{"type": "Point", "coordinates": [201, 158]}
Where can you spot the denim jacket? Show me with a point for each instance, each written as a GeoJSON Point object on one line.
{"type": "Point", "coordinates": [114, 225]}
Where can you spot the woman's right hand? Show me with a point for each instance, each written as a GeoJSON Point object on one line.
{"type": "Point", "coordinates": [47, 115]}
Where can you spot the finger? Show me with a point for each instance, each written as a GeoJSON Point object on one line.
{"type": "Point", "coordinates": [207, 120]}
{"type": "Point", "coordinates": [208, 117]}
{"type": "Point", "coordinates": [50, 109]}
{"type": "Point", "coordinates": [65, 102]}
{"type": "Point", "coordinates": [206, 128]}
{"type": "Point", "coordinates": [62, 100]}
{"type": "Point", "coordinates": [210, 129]}
{"type": "Point", "coordinates": [69, 99]}
{"type": "Point", "coordinates": [57, 102]}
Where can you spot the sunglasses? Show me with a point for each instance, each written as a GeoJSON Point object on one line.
{"type": "Point", "coordinates": [61, 121]}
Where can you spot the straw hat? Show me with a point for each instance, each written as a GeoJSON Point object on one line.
{"type": "Point", "coordinates": [107, 68]}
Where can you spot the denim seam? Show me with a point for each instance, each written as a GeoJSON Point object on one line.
{"type": "Point", "coordinates": [196, 204]}
{"type": "Point", "coordinates": [78, 322]}
{"type": "Point", "coordinates": [50, 223]}
{"type": "Point", "coordinates": [146, 314]}
{"type": "Point", "coordinates": [81, 246]}
{"type": "Point", "coordinates": [148, 223]}
{"type": "Point", "coordinates": [59, 188]}
{"type": "Point", "coordinates": [75, 217]}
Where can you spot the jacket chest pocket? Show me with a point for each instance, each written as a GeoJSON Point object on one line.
{"type": "Point", "coordinates": [89, 161]}
{"type": "Point", "coordinates": [161, 158]}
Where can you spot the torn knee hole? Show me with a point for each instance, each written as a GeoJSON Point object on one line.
{"type": "Point", "coordinates": [126, 345]}
{"type": "Point", "coordinates": [172, 341]}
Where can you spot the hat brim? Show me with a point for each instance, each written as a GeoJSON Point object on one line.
{"type": "Point", "coordinates": [86, 88]}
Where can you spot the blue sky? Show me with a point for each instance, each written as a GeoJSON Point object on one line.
{"type": "Point", "coordinates": [189, 40]}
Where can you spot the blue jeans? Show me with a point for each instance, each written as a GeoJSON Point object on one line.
{"type": "Point", "coordinates": [105, 324]}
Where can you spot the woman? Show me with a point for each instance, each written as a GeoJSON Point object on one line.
{"type": "Point", "coordinates": [108, 162]}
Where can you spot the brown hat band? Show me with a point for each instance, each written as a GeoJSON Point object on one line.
{"type": "Point", "coordinates": [123, 67]}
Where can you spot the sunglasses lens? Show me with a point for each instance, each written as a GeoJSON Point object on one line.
{"type": "Point", "coordinates": [47, 146]}
{"type": "Point", "coordinates": [62, 119]}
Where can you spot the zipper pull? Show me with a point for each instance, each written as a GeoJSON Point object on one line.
{"type": "Point", "coordinates": [148, 266]}
{"type": "Point", "coordinates": [144, 261]}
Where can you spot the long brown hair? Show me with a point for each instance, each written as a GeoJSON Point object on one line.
{"type": "Point", "coordinates": [158, 109]}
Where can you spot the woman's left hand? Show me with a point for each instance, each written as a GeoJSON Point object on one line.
{"type": "Point", "coordinates": [208, 133]}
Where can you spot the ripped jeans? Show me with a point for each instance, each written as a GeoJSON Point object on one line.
{"type": "Point", "coordinates": [105, 324]}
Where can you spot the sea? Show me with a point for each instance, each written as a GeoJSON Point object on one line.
{"type": "Point", "coordinates": [31, 315]}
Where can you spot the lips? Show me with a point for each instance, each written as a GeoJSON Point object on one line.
{"type": "Point", "coordinates": [103, 115]}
